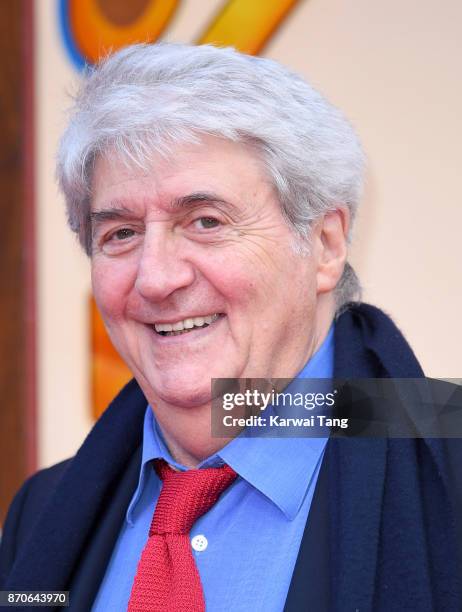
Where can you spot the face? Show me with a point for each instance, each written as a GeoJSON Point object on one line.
{"type": "Point", "coordinates": [194, 272]}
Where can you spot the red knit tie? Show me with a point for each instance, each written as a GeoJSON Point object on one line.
{"type": "Point", "coordinates": [167, 579]}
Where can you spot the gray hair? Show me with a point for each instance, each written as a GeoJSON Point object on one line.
{"type": "Point", "coordinates": [146, 98]}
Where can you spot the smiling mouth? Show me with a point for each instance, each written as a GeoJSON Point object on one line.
{"type": "Point", "coordinates": [186, 325]}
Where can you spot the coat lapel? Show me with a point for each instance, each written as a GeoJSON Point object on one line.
{"type": "Point", "coordinates": [310, 585]}
{"type": "Point", "coordinates": [95, 558]}
{"type": "Point", "coordinates": [336, 565]}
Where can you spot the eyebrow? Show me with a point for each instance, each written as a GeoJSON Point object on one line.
{"type": "Point", "coordinates": [111, 214]}
{"type": "Point", "coordinates": [117, 211]}
{"type": "Point", "coordinates": [201, 197]}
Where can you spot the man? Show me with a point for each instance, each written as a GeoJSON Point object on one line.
{"type": "Point", "coordinates": [215, 194]}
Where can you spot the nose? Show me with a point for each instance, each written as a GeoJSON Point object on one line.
{"type": "Point", "coordinates": [162, 266]}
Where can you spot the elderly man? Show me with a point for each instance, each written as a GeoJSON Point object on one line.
{"type": "Point", "coordinates": [215, 194]}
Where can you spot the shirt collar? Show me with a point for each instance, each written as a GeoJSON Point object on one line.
{"type": "Point", "coordinates": [154, 447]}
{"type": "Point", "coordinates": [280, 468]}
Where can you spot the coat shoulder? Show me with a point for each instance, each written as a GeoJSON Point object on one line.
{"type": "Point", "coordinates": [25, 509]}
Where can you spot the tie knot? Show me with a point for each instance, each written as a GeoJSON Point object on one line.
{"type": "Point", "coordinates": [186, 496]}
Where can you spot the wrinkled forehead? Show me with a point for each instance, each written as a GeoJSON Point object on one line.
{"type": "Point", "coordinates": [210, 169]}
{"type": "Point", "coordinates": [140, 153]}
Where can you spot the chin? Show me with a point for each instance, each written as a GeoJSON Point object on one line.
{"type": "Point", "coordinates": [182, 395]}
{"type": "Point", "coordinates": [183, 384]}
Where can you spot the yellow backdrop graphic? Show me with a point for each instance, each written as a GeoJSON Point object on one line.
{"type": "Point", "coordinates": [247, 24]}
{"type": "Point", "coordinates": [97, 27]}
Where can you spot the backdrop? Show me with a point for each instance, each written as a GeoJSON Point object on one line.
{"type": "Point", "coordinates": [393, 68]}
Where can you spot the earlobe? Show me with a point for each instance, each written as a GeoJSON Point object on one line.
{"type": "Point", "coordinates": [332, 241]}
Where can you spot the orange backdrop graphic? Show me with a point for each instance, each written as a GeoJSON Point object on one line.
{"type": "Point", "coordinates": [97, 27]}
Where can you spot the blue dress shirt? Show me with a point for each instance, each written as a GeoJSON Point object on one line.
{"type": "Point", "coordinates": [247, 544]}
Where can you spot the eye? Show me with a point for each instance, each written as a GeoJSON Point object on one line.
{"type": "Point", "coordinates": [206, 223]}
{"type": "Point", "coordinates": [119, 240]}
{"type": "Point", "coordinates": [122, 234]}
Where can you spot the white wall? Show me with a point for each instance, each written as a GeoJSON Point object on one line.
{"type": "Point", "coordinates": [62, 274]}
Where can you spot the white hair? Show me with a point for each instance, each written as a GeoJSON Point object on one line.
{"type": "Point", "coordinates": [145, 98]}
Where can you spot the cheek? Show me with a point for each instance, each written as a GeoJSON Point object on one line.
{"type": "Point", "coordinates": [111, 284]}
{"type": "Point", "coordinates": [236, 276]}
{"type": "Point", "coordinates": [238, 287]}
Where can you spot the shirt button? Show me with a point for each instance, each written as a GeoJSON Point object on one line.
{"type": "Point", "coordinates": [199, 543]}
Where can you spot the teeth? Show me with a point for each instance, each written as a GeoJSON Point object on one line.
{"type": "Point", "coordinates": [180, 326]}
{"type": "Point", "coordinates": [163, 327]}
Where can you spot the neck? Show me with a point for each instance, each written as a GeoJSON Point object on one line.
{"type": "Point", "coordinates": [187, 433]}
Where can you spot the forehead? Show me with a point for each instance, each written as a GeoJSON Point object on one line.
{"type": "Point", "coordinates": [230, 171]}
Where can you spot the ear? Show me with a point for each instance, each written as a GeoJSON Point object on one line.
{"type": "Point", "coordinates": [331, 238]}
